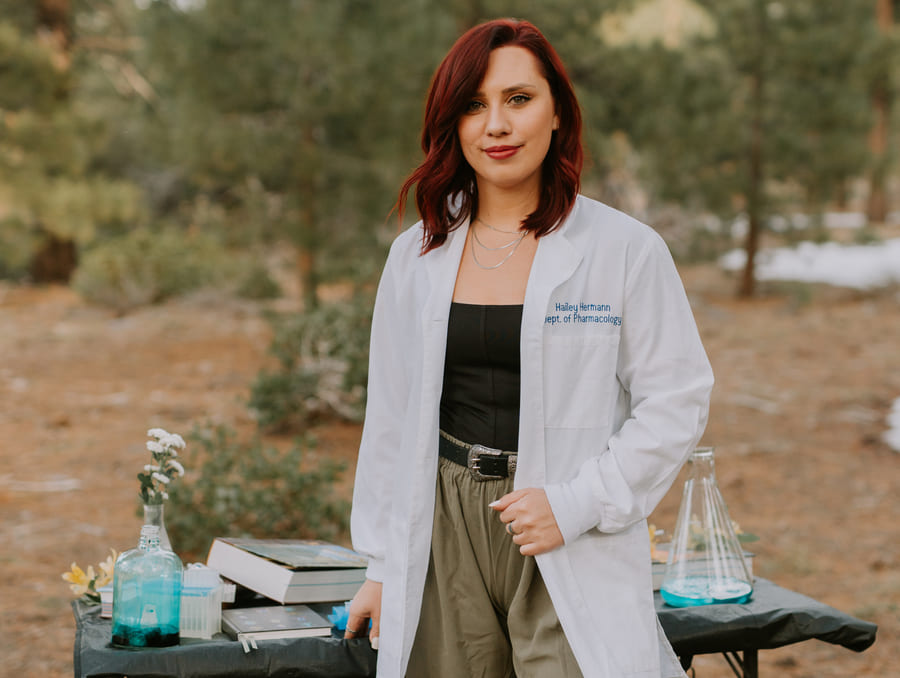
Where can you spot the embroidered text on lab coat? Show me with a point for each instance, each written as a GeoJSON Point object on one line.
{"type": "Point", "coordinates": [580, 313]}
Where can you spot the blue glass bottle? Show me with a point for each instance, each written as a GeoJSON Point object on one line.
{"type": "Point", "coordinates": [147, 594]}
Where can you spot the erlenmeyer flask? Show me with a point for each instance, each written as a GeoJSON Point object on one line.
{"type": "Point", "coordinates": [706, 561]}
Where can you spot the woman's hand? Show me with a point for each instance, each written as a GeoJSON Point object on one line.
{"type": "Point", "coordinates": [529, 520]}
{"type": "Point", "coordinates": [366, 605]}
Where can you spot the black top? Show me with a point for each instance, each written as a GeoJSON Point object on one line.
{"type": "Point", "coordinates": [480, 399]}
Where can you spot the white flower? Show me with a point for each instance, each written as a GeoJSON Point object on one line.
{"type": "Point", "coordinates": [159, 474]}
{"type": "Point", "coordinates": [173, 440]}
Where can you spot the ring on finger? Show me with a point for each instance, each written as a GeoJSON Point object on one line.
{"type": "Point", "coordinates": [509, 529]}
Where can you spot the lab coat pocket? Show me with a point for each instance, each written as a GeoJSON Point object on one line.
{"type": "Point", "coordinates": [579, 380]}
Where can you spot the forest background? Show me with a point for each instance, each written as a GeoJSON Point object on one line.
{"type": "Point", "coordinates": [152, 152]}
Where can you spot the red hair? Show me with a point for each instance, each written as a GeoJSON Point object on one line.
{"type": "Point", "coordinates": [446, 192]}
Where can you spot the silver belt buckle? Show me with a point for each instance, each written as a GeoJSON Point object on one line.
{"type": "Point", "coordinates": [474, 456]}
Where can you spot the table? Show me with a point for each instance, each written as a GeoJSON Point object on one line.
{"type": "Point", "coordinates": [774, 617]}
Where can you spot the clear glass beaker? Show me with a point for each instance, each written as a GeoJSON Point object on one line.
{"type": "Point", "coordinates": [706, 561]}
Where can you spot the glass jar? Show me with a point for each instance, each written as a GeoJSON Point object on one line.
{"type": "Point", "coordinates": [706, 561]}
{"type": "Point", "coordinates": [147, 594]}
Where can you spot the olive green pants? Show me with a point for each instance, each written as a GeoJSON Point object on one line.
{"type": "Point", "coordinates": [485, 610]}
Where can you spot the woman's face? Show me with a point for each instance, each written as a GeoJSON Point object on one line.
{"type": "Point", "coordinates": [505, 133]}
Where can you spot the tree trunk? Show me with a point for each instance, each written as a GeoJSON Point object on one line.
{"type": "Point", "coordinates": [308, 246]}
{"type": "Point", "coordinates": [876, 210]}
{"type": "Point", "coordinates": [307, 271]}
{"type": "Point", "coordinates": [56, 258]}
{"type": "Point", "coordinates": [307, 238]}
{"type": "Point", "coordinates": [747, 286]}
{"type": "Point", "coordinates": [54, 20]}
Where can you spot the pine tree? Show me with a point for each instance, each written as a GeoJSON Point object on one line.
{"type": "Point", "coordinates": [55, 196]}
{"type": "Point", "coordinates": [765, 107]}
{"type": "Point", "coordinates": [297, 106]}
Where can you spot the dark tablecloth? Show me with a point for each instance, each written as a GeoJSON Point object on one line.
{"type": "Point", "coordinates": [772, 618]}
{"type": "Point", "coordinates": [221, 657]}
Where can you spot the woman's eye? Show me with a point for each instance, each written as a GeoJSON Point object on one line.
{"type": "Point", "coordinates": [520, 99]}
{"type": "Point", "coordinates": [474, 107]}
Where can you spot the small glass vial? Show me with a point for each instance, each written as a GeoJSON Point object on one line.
{"type": "Point", "coordinates": [706, 561]}
{"type": "Point", "coordinates": [147, 594]}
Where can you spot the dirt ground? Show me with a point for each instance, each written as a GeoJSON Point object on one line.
{"type": "Point", "coordinates": [805, 378]}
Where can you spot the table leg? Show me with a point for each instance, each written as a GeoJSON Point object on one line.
{"type": "Point", "coordinates": [746, 666]}
{"type": "Point", "coordinates": [751, 664]}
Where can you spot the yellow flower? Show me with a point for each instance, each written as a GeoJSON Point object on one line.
{"type": "Point", "coordinates": [106, 570]}
{"type": "Point", "coordinates": [79, 580]}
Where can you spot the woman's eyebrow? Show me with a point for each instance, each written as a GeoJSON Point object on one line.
{"type": "Point", "coordinates": [512, 88]}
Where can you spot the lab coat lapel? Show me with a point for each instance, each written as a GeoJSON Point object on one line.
{"type": "Point", "coordinates": [555, 262]}
{"type": "Point", "coordinates": [442, 270]}
{"type": "Point", "coordinates": [442, 265]}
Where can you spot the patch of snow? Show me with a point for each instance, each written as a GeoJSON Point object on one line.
{"type": "Point", "coordinates": [892, 435]}
{"type": "Point", "coordinates": [853, 266]}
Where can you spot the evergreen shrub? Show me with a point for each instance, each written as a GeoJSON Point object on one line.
{"type": "Point", "coordinates": [867, 236]}
{"type": "Point", "coordinates": [144, 267]}
{"type": "Point", "coordinates": [234, 488]}
{"type": "Point", "coordinates": [17, 245]}
{"type": "Point", "coordinates": [322, 366]}
{"type": "Point", "coordinates": [256, 283]}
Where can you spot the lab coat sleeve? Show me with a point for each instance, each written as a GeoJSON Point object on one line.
{"type": "Point", "coordinates": [664, 369]}
{"type": "Point", "coordinates": [387, 393]}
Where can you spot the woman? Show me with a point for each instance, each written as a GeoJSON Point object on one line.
{"type": "Point", "coordinates": [552, 330]}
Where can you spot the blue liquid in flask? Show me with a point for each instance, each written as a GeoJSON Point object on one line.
{"type": "Point", "coordinates": [699, 590]}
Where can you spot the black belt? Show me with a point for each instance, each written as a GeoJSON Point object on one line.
{"type": "Point", "coordinates": [484, 463]}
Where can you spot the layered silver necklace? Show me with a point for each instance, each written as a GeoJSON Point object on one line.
{"type": "Point", "coordinates": [512, 245]}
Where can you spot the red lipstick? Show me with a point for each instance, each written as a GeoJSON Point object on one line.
{"type": "Point", "coordinates": [501, 152]}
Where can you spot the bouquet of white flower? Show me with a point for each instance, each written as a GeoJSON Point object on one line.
{"type": "Point", "coordinates": [156, 477]}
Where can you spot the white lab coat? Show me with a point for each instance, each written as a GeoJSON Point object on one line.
{"type": "Point", "coordinates": [615, 389]}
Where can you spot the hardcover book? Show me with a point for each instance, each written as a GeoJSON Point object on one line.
{"type": "Point", "coordinates": [250, 624]}
{"type": "Point", "coordinates": [290, 570]}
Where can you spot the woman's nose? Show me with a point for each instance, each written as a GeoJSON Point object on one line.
{"type": "Point", "coordinates": [497, 122]}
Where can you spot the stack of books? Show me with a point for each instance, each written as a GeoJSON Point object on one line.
{"type": "Point", "coordinates": [290, 570]}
